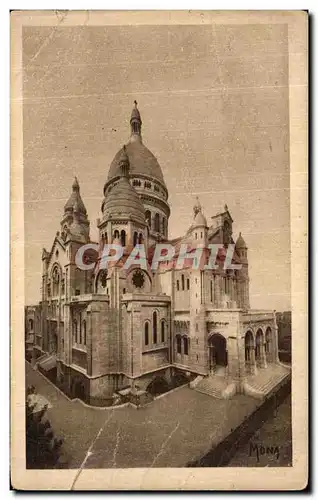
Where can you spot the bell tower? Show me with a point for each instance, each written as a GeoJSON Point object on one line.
{"type": "Point", "coordinates": [75, 213]}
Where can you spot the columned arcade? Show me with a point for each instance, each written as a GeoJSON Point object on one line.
{"type": "Point", "coordinates": [259, 350]}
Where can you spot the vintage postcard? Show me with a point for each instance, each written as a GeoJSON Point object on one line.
{"type": "Point", "coordinates": [159, 250]}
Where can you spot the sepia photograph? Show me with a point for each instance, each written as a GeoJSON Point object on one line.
{"type": "Point", "coordinates": [153, 199]}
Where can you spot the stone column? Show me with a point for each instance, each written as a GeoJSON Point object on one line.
{"type": "Point", "coordinates": [263, 363]}
{"type": "Point", "coordinates": [136, 351]}
{"type": "Point", "coordinates": [182, 351]}
{"type": "Point", "coordinates": [253, 369]}
{"type": "Point", "coordinates": [274, 344]}
{"type": "Point", "coordinates": [217, 290]}
{"type": "Point", "coordinates": [89, 339]}
{"type": "Point", "coordinates": [94, 343]}
{"type": "Point", "coordinates": [233, 362]}
{"type": "Point", "coordinates": [212, 366]}
{"type": "Point", "coordinates": [129, 235]}
{"type": "Point", "coordinates": [231, 288]}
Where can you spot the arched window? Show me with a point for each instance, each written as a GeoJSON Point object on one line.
{"type": "Point", "coordinates": [146, 333]}
{"type": "Point", "coordinates": [135, 238]}
{"type": "Point", "coordinates": [148, 218]}
{"type": "Point", "coordinates": [178, 285]}
{"type": "Point", "coordinates": [123, 238]}
{"type": "Point", "coordinates": [163, 226]}
{"type": "Point", "coordinates": [84, 332]}
{"type": "Point", "coordinates": [162, 330]}
{"type": "Point", "coordinates": [157, 223]}
{"type": "Point", "coordinates": [31, 325]}
{"type": "Point", "coordinates": [56, 281]}
{"type": "Point", "coordinates": [188, 284]}
{"type": "Point", "coordinates": [116, 234]}
{"type": "Point", "coordinates": [186, 345]}
{"type": "Point", "coordinates": [154, 327]}
{"type": "Point", "coordinates": [74, 330]}
{"type": "Point", "coordinates": [182, 281]}
{"type": "Point", "coordinates": [178, 344]}
{"type": "Point", "coordinates": [80, 333]}
{"type": "Point", "coordinates": [140, 238]}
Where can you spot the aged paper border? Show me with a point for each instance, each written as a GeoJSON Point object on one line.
{"type": "Point", "coordinates": [280, 478]}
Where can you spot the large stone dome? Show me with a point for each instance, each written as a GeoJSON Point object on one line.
{"type": "Point", "coordinates": [142, 170]}
{"type": "Point", "coordinates": [141, 161]}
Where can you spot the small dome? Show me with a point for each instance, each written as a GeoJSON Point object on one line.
{"type": "Point", "coordinates": [240, 243]}
{"type": "Point", "coordinates": [123, 201]}
{"type": "Point", "coordinates": [199, 220]}
{"type": "Point", "coordinates": [75, 198]}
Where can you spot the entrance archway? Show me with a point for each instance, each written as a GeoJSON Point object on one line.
{"type": "Point", "coordinates": [157, 386]}
{"type": "Point", "coordinates": [78, 390]}
{"type": "Point", "coordinates": [217, 352]}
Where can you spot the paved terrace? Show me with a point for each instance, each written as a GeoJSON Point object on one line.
{"type": "Point", "coordinates": [175, 429]}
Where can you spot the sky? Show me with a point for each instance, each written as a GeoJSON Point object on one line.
{"type": "Point", "coordinates": [214, 105]}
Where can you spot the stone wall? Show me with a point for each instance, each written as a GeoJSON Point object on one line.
{"type": "Point", "coordinates": [155, 359]}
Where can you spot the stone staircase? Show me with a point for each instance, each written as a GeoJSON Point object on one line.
{"type": "Point", "coordinates": [215, 386]}
{"type": "Point", "coordinates": [265, 380]}
{"type": "Point", "coordinates": [39, 359]}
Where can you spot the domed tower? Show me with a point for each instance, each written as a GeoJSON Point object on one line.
{"type": "Point", "coordinates": [75, 213]}
{"type": "Point", "coordinates": [146, 178]}
{"type": "Point", "coordinates": [123, 218]}
{"type": "Point", "coordinates": [199, 226]}
{"type": "Point", "coordinates": [243, 277]}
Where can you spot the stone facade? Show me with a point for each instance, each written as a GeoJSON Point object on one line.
{"type": "Point", "coordinates": [117, 329]}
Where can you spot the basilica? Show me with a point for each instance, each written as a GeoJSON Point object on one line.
{"type": "Point", "coordinates": [126, 333]}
